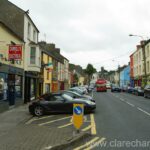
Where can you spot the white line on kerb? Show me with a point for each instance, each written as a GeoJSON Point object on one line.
{"type": "Point", "coordinates": [130, 104]}
{"type": "Point", "coordinates": [143, 111]}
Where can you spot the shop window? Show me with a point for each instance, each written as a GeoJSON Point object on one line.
{"type": "Point", "coordinates": [18, 86]}
{"type": "Point", "coordinates": [32, 90]}
{"type": "Point", "coordinates": [47, 88]}
{"type": "Point", "coordinates": [33, 55]}
{"type": "Point", "coordinates": [3, 86]}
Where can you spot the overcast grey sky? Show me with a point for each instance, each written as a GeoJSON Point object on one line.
{"type": "Point", "coordinates": [91, 31]}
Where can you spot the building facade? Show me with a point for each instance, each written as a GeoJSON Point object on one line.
{"type": "Point", "coordinates": [11, 68]}
{"type": "Point", "coordinates": [125, 77]}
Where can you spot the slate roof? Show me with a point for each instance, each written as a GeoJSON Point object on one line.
{"type": "Point", "coordinates": [13, 17]}
{"type": "Point", "coordinates": [50, 51]}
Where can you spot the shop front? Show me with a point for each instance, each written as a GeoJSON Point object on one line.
{"type": "Point", "coordinates": [31, 86]}
{"type": "Point", "coordinates": [54, 86]}
{"type": "Point", "coordinates": [11, 89]}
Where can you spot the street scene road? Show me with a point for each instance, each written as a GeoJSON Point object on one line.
{"type": "Point", "coordinates": [123, 117]}
{"type": "Point", "coordinates": [74, 75]}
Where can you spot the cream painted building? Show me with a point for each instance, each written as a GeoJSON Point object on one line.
{"type": "Point", "coordinates": [11, 70]}
{"type": "Point", "coordinates": [138, 62]}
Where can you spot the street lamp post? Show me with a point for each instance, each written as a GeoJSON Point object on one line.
{"type": "Point", "coordinates": [144, 57]}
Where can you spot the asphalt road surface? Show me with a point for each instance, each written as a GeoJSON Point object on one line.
{"type": "Point", "coordinates": [123, 120]}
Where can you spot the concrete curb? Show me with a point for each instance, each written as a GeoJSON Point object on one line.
{"type": "Point", "coordinates": [75, 139]}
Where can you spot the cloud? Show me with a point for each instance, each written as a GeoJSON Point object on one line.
{"type": "Point", "coordinates": [96, 29]}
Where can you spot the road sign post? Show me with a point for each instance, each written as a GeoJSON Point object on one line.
{"type": "Point", "coordinates": [78, 115]}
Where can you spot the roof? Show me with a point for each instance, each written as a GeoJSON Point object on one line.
{"type": "Point", "coordinates": [46, 48]}
{"type": "Point", "coordinates": [13, 16]}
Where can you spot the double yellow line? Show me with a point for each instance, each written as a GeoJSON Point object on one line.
{"type": "Point", "coordinates": [93, 125]}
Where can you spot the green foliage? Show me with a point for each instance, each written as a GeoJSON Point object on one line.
{"type": "Point", "coordinates": [75, 76]}
{"type": "Point", "coordinates": [90, 70]}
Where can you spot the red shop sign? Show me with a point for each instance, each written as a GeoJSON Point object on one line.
{"type": "Point", "coordinates": [15, 52]}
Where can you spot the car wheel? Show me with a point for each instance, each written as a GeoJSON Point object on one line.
{"type": "Point", "coordinates": [38, 111]}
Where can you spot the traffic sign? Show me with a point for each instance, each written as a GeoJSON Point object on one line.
{"type": "Point", "coordinates": [78, 115]}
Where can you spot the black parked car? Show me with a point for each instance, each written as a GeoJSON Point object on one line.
{"type": "Point", "coordinates": [58, 104]}
{"type": "Point", "coordinates": [115, 88]}
{"type": "Point", "coordinates": [130, 89]}
{"type": "Point", "coordinates": [147, 91]}
{"type": "Point", "coordinates": [138, 91]}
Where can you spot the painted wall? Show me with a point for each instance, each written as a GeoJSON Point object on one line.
{"type": "Point", "coordinates": [5, 40]}
{"type": "Point", "coordinates": [125, 76]}
{"type": "Point", "coordinates": [47, 75]}
{"type": "Point", "coordinates": [27, 39]}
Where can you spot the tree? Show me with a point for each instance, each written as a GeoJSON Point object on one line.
{"type": "Point", "coordinates": [89, 71]}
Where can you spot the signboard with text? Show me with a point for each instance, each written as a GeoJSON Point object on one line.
{"type": "Point", "coordinates": [15, 52]}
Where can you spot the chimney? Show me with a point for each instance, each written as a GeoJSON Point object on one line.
{"type": "Point", "coordinates": [57, 50]}
{"type": "Point", "coordinates": [142, 42]}
{"type": "Point", "coordinates": [51, 46]}
{"type": "Point", "coordinates": [138, 47]}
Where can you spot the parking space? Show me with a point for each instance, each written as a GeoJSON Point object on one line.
{"type": "Point", "coordinates": [59, 121]}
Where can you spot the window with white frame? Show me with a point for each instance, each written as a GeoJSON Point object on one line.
{"type": "Point", "coordinates": [33, 55]}
{"type": "Point", "coordinates": [148, 66]}
{"type": "Point", "coordinates": [147, 50]}
{"type": "Point", "coordinates": [34, 36]}
{"type": "Point", "coordinates": [29, 30]}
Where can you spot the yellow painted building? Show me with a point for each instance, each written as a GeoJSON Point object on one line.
{"type": "Point", "coordinates": [81, 80]}
{"type": "Point", "coordinates": [47, 73]}
{"type": "Point", "coordinates": [7, 37]}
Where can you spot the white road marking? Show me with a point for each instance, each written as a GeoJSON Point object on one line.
{"type": "Point", "coordinates": [130, 104]}
{"type": "Point", "coordinates": [95, 144]}
{"type": "Point", "coordinates": [122, 99]}
{"type": "Point", "coordinates": [47, 148]}
{"type": "Point", "coordinates": [52, 121]}
{"type": "Point", "coordinates": [36, 118]}
{"type": "Point", "coordinates": [87, 128]}
{"type": "Point", "coordinates": [143, 111]}
{"type": "Point", "coordinates": [87, 144]}
{"type": "Point", "coordinates": [66, 125]}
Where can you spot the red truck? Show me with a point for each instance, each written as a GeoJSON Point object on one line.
{"type": "Point", "coordinates": [101, 85]}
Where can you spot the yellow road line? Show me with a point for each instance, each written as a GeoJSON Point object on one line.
{"type": "Point", "coordinates": [93, 125]}
{"type": "Point", "coordinates": [34, 119]}
{"type": "Point", "coordinates": [97, 143]}
{"type": "Point", "coordinates": [87, 128]}
{"type": "Point", "coordinates": [87, 144]}
{"type": "Point", "coordinates": [66, 125]}
{"type": "Point", "coordinates": [41, 124]}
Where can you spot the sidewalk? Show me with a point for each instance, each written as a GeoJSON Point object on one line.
{"type": "Point", "coordinates": [15, 134]}
{"type": "Point", "coordinates": [13, 117]}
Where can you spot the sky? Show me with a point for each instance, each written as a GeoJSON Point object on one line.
{"type": "Point", "coordinates": [91, 31]}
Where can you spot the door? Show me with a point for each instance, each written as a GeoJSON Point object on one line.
{"type": "Point", "coordinates": [11, 89]}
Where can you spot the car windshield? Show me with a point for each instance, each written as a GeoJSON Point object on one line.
{"type": "Point", "coordinates": [77, 91]}
{"type": "Point", "coordinates": [67, 97]}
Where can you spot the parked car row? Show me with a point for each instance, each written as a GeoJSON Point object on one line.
{"type": "Point", "coordinates": [62, 102]}
{"type": "Point", "coordinates": [139, 91]}
{"type": "Point", "coordinates": [134, 90]}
